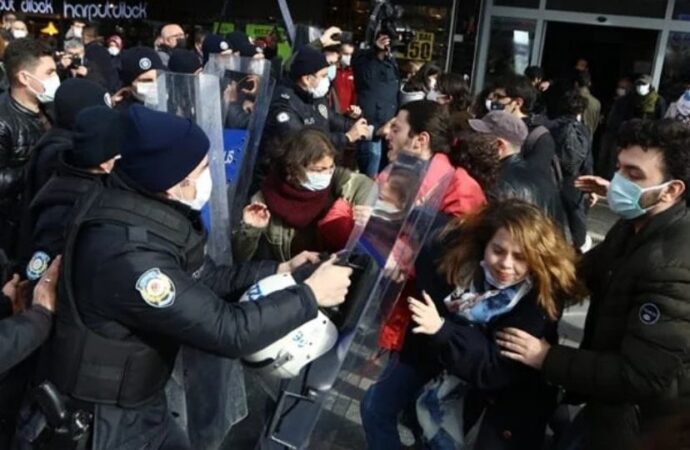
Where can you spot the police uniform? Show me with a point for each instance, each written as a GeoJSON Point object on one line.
{"type": "Point", "coordinates": [136, 286]}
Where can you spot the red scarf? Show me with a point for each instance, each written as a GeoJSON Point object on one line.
{"type": "Point", "coordinates": [297, 207]}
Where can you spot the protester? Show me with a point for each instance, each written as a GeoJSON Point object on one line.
{"type": "Point", "coordinates": [629, 370]}
{"type": "Point", "coordinates": [504, 265]}
{"type": "Point", "coordinates": [453, 91]}
{"type": "Point", "coordinates": [34, 81]}
{"type": "Point", "coordinates": [592, 115]}
{"type": "Point", "coordinates": [18, 30]}
{"type": "Point", "coordinates": [99, 58]}
{"type": "Point", "coordinates": [344, 82]}
{"type": "Point", "coordinates": [305, 203]}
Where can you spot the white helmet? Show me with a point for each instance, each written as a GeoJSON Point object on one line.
{"type": "Point", "coordinates": [288, 355]}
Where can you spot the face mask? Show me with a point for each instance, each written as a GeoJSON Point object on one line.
{"type": "Point", "coordinates": [432, 84]}
{"type": "Point", "coordinates": [204, 186]}
{"type": "Point", "coordinates": [317, 181]}
{"type": "Point", "coordinates": [386, 210]}
{"type": "Point", "coordinates": [492, 281]}
{"type": "Point", "coordinates": [50, 86]}
{"type": "Point", "coordinates": [114, 51]}
{"type": "Point", "coordinates": [76, 32]}
{"type": "Point", "coordinates": [433, 95]}
{"type": "Point", "coordinates": [620, 92]}
{"type": "Point", "coordinates": [321, 89]}
{"type": "Point", "coordinates": [181, 43]}
{"type": "Point", "coordinates": [346, 60]}
{"type": "Point", "coordinates": [495, 106]}
{"type": "Point", "coordinates": [19, 34]}
{"type": "Point", "coordinates": [643, 89]}
{"type": "Point", "coordinates": [332, 72]}
{"type": "Point", "coordinates": [146, 92]}
{"type": "Point", "coordinates": [624, 197]}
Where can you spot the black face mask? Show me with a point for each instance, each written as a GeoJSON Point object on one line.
{"type": "Point", "coordinates": [181, 43]}
{"type": "Point", "coordinates": [497, 106]}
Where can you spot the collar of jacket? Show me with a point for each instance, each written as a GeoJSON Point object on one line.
{"type": "Point", "coordinates": [21, 108]}
{"type": "Point", "coordinates": [66, 169]}
{"type": "Point", "coordinates": [658, 223]}
{"type": "Point", "coordinates": [305, 96]}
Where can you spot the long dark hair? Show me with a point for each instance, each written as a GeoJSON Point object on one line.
{"type": "Point", "coordinates": [455, 86]}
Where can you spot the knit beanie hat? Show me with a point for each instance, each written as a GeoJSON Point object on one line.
{"type": "Point", "coordinates": [98, 136]}
{"type": "Point", "coordinates": [74, 95]}
{"type": "Point", "coordinates": [160, 149]}
{"type": "Point", "coordinates": [307, 61]}
{"type": "Point", "coordinates": [184, 61]}
{"type": "Point", "coordinates": [136, 61]}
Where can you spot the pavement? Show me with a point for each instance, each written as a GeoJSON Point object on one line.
{"type": "Point", "coordinates": [340, 425]}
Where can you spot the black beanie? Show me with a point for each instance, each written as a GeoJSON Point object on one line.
{"type": "Point", "coordinates": [160, 149]}
{"type": "Point", "coordinates": [98, 135]}
{"type": "Point", "coordinates": [74, 95]}
{"type": "Point", "coordinates": [239, 42]}
{"type": "Point", "coordinates": [307, 61]}
{"type": "Point", "coordinates": [214, 44]}
{"type": "Point", "coordinates": [184, 61]}
{"type": "Point", "coordinates": [137, 60]}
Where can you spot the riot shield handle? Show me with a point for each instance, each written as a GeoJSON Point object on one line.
{"type": "Point", "coordinates": [278, 415]}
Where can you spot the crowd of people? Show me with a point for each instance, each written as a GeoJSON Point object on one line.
{"type": "Point", "coordinates": [106, 273]}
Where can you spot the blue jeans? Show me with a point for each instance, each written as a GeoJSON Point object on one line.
{"type": "Point", "coordinates": [369, 157]}
{"type": "Point", "coordinates": [397, 388]}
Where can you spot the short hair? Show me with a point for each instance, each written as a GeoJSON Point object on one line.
{"type": "Point", "coordinates": [520, 86]}
{"type": "Point", "coordinates": [91, 32]}
{"type": "Point", "coordinates": [301, 149]}
{"type": "Point", "coordinates": [572, 103]}
{"type": "Point", "coordinates": [24, 54]}
{"type": "Point", "coordinates": [432, 118]}
{"type": "Point", "coordinates": [534, 73]}
{"type": "Point", "coordinates": [455, 86]}
{"type": "Point", "coordinates": [582, 78]}
{"type": "Point", "coordinates": [73, 44]}
{"type": "Point", "coordinates": [670, 137]}
{"type": "Point", "coordinates": [199, 36]}
{"type": "Point", "coordinates": [478, 154]}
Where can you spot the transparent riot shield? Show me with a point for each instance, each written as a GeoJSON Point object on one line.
{"type": "Point", "coordinates": [317, 409]}
{"type": "Point", "coordinates": [206, 392]}
{"type": "Point", "coordinates": [245, 86]}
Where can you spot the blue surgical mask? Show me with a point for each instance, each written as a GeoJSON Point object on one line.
{"type": "Point", "coordinates": [624, 197]}
{"type": "Point", "coordinates": [332, 72]}
{"type": "Point", "coordinates": [317, 181]}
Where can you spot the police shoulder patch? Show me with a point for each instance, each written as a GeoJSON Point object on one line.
{"type": "Point", "coordinates": [156, 288]}
{"type": "Point", "coordinates": [283, 117]}
{"type": "Point", "coordinates": [323, 110]}
{"type": "Point", "coordinates": [37, 266]}
{"type": "Point", "coordinates": [285, 96]}
{"type": "Point", "coordinates": [649, 314]}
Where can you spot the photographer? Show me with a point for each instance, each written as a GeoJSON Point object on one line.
{"type": "Point", "coordinates": [377, 82]}
{"type": "Point", "coordinates": [73, 64]}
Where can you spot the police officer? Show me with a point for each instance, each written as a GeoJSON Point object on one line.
{"type": "Point", "coordinates": [136, 286]}
{"type": "Point", "coordinates": [97, 141]}
{"type": "Point", "coordinates": [300, 102]}
{"type": "Point", "coordinates": [138, 72]}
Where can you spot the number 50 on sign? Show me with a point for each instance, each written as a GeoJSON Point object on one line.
{"type": "Point", "coordinates": [422, 48]}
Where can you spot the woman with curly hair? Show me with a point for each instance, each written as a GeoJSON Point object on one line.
{"type": "Point", "coordinates": [505, 266]}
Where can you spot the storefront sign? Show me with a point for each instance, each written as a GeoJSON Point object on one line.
{"type": "Point", "coordinates": [86, 11]}
{"type": "Point", "coordinates": [422, 48]}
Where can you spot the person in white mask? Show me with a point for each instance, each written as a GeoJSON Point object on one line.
{"type": "Point", "coordinates": [300, 101]}
{"type": "Point", "coordinates": [18, 30]}
{"type": "Point", "coordinates": [305, 203]}
{"type": "Point", "coordinates": [140, 66]}
{"type": "Point", "coordinates": [647, 102]}
{"type": "Point", "coordinates": [33, 82]}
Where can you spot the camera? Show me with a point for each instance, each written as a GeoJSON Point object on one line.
{"type": "Point", "coordinates": [385, 19]}
{"type": "Point", "coordinates": [77, 62]}
{"type": "Point", "coordinates": [346, 37]}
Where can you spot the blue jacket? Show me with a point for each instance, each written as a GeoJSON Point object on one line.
{"type": "Point", "coordinates": [377, 83]}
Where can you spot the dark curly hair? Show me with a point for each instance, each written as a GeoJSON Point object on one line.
{"type": "Point", "coordinates": [572, 104]}
{"type": "Point", "coordinates": [667, 136]}
{"type": "Point", "coordinates": [307, 146]}
{"type": "Point", "coordinates": [455, 86]}
{"type": "Point", "coordinates": [478, 154]}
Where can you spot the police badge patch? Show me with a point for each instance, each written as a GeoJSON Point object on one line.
{"type": "Point", "coordinates": [37, 266]}
{"type": "Point", "coordinates": [156, 288]}
{"type": "Point", "coordinates": [323, 110]}
{"type": "Point", "coordinates": [649, 314]}
{"type": "Point", "coordinates": [145, 64]}
{"type": "Point", "coordinates": [283, 117]}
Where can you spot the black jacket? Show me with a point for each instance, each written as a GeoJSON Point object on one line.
{"type": "Point", "coordinates": [517, 179]}
{"type": "Point", "coordinates": [516, 400]}
{"type": "Point", "coordinates": [111, 261]}
{"type": "Point", "coordinates": [99, 61]}
{"type": "Point", "coordinates": [540, 154]}
{"type": "Point", "coordinates": [21, 335]}
{"type": "Point", "coordinates": [293, 109]}
{"type": "Point", "coordinates": [377, 83]}
{"type": "Point", "coordinates": [20, 129]}
{"type": "Point", "coordinates": [634, 360]}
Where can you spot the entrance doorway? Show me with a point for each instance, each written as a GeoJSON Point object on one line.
{"type": "Point", "coordinates": [612, 53]}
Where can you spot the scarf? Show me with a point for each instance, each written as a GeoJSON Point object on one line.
{"type": "Point", "coordinates": [295, 206]}
{"type": "Point", "coordinates": [646, 106]}
{"type": "Point", "coordinates": [492, 301]}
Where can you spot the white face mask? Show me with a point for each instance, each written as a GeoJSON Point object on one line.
{"type": "Point", "coordinates": [50, 87]}
{"type": "Point", "coordinates": [620, 92]}
{"type": "Point", "coordinates": [146, 92]}
{"type": "Point", "coordinates": [332, 72]}
{"type": "Point", "coordinates": [346, 60]}
{"type": "Point", "coordinates": [321, 89]}
{"type": "Point", "coordinates": [19, 34]}
{"type": "Point", "coordinates": [433, 95]}
{"type": "Point", "coordinates": [114, 51]}
{"type": "Point", "coordinates": [317, 181]}
{"type": "Point", "coordinates": [432, 83]}
{"type": "Point", "coordinates": [204, 186]}
{"type": "Point", "coordinates": [77, 32]}
{"type": "Point", "coordinates": [643, 89]}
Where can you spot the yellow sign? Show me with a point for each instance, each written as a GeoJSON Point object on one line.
{"type": "Point", "coordinates": [50, 30]}
{"type": "Point", "coordinates": [422, 47]}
